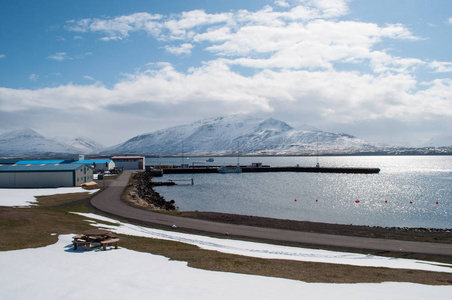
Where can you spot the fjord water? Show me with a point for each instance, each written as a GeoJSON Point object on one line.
{"type": "Point", "coordinates": [410, 191]}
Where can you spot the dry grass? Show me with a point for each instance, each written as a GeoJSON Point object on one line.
{"type": "Point", "coordinates": [32, 227]}
{"type": "Point", "coordinates": [305, 271]}
{"type": "Point", "coordinates": [60, 199]}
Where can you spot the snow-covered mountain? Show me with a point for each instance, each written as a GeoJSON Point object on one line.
{"type": "Point", "coordinates": [439, 141]}
{"type": "Point", "coordinates": [27, 142]}
{"type": "Point", "coordinates": [251, 135]}
{"type": "Point", "coordinates": [81, 144]}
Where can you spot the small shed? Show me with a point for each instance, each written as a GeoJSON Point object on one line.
{"type": "Point", "coordinates": [44, 175]}
{"type": "Point", "coordinates": [129, 162]}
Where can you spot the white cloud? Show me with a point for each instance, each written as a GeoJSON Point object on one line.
{"type": "Point", "coordinates": [118, 28]}
{"type": "Point", "coordinates": [318, 97]}
{"type": "Point", "coordinates": [181, 26]}
{"type": "Point", "coordinates": [179, 50]}
{"type": "Point", "coordinates": [59, 56]}
{"type": "Point", "coordinates": [2, 55]}
{"type": "Point", "coordinates": [34, 77]}
{"type": "Point", "coordinates": [398, 31]}
{"type": "Point", "coordinates": [441, 67]}
{"type": "Point", "coordinates": [282, 3]}
{"type": "Point", "coordinates": [449, 20]}
{"type": "Point", "coordinates": [293, 58]}
{"type": "Point", "coordinates": [89, 77]}
{"type": "Point", "coordinates": [340, 97]}
{"type": "Point", "coordinates": [330, 8]}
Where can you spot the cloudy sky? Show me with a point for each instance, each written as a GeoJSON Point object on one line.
{"type": "Point", "coordinates": [110, 70]}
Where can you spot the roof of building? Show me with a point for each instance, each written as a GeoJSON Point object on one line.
{"type": "Point", "coordinates": [62, 161]}
{"type": "Point", "coordinates": [9, 161]}
{"type": "Point", "coordinates": [43, 161]}
{"type": "Point", "coordinates": [97, 161]}
{"type": "Point", "coordinates": [41, 168]}
{"type": "Point", "coordinates": [127, 157]}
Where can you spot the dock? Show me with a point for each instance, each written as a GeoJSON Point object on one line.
{"type": "Point", "coordinates": [267, 169]}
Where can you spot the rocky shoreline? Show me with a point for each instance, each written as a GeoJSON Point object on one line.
{"type": "Point", "coordinates": [142, 194]}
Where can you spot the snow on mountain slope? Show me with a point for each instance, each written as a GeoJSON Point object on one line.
{"type": "Point", "coordinates": [250, 135]}
{"type": "Point", "coordinates": [29, 142]}
{"type": "Point", "coordinates": [439, 141]}
{"type": "Point", "coordinates": [81, 144]}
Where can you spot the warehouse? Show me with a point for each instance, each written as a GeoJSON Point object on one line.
{"type": "Point", "coordinates": [98, 164]}
{"type": "Point", "coordinates": [45, 175]}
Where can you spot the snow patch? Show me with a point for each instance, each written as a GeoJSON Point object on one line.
{"type": "Point", "coordinates": [269, 251]}
{"type": "Point", "coordinates": [26, 197]}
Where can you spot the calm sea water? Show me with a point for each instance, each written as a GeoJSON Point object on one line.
{"type": "Point", "coordinates": [404, 194]}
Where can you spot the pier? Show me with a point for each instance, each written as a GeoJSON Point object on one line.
{"type": "Point", "coordinates": [268, 169]}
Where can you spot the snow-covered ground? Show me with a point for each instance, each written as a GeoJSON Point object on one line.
{"type": "Point", "coordinates": [57, 271]}
{"type": "Point", "coordinates": [26, 197]}
{"type": "Point", "coordinates": [263, 250]}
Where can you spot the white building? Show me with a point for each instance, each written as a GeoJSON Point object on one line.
{"type": "Point", "coordinates": [99, 164]}
{"type": "Point", "coordinates": [129, 162]}
{"type": "Point", "coordinates": [44, 175]}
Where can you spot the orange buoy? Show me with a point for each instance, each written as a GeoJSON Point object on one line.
{"type": "Point", "coordinates": [386, 201]}
{"type": "Point", "coordinates": [295, 200]}
{"type": "Point", "coordinates": [356, 201]}
{"type": "Point", "coordinates": [436, 202]}
{"type": "Point", "coordinates": [316, 200]}
{"type": "Point", "coordinates": [411, 202]}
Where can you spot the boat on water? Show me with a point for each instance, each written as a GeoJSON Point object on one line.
{"type": "Point", "coordinates": [224, 169]}
{"type": "Point", "coordinates": [237, 169]}
{"type": "Point", "coordinates": [210, 159]}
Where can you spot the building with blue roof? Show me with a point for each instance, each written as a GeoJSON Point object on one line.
{"type": "Point", "coordinates": [43, 162]}
{"type": "Point", "coordinates": [98, 164]}
{"type": "Point", "coordinates": [45, 175]}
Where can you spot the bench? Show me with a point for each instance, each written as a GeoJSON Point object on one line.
{"type": "Point", "coordinates": [76, 243]}
{"type": "Point", "coordinates": [110, 242]}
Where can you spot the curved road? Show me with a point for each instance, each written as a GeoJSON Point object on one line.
{"type": "Point", "coordinates": [109, 202]}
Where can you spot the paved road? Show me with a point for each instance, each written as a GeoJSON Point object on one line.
{"type": "Point", "coordinates": [109, 202]}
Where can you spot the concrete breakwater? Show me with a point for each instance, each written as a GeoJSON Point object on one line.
{"type": "Point", "coordinates": [264, 169]}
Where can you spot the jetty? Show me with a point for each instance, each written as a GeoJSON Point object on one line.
{"type": "Point", "coordinates": [268, 169]}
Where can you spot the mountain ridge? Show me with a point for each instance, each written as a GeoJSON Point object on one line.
{"type": "Point", "coordinates": [27, 142]}
{"type": "Point", "coordinates": [213, 136]}
{"type": "Point", "coordinates": [226, 134]}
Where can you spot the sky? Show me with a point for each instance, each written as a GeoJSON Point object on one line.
{"type": "Point", "coordinates": [110, 70]}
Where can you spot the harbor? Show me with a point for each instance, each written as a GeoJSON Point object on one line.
{"type": "Point", "coordinates": [407, 192]}
{"type": "Point", "coordinates": [265, 169]}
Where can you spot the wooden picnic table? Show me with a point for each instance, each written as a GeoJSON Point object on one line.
{"type": "Point", "coordinates": [104, 237]}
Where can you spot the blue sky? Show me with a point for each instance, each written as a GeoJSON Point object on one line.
{"type": "Point", "coordinates": [109, 70]}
